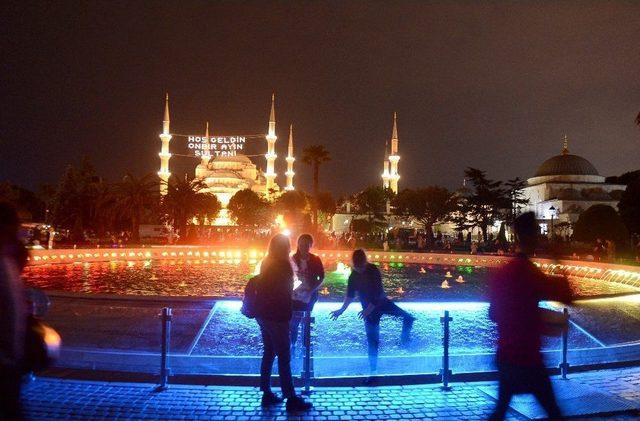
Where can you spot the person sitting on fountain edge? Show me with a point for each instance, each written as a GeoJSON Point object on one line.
{"type": "Point", "coordinates": [310, 272]}
{"type": "Point", "coordinates": [366, 280]}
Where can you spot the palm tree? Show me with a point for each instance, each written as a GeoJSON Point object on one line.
{"type": "Point", "coordinates": [185, 199]}
{"type": "Point", "coordinates": [315, 155]}
{"type": "Point", "coordinates": [132, 196]}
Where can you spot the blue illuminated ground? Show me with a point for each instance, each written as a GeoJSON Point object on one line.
{"type": "Point", "coordinates": [212, 336]}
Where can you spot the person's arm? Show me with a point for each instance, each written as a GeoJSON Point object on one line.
{"type": "Point", "coordinates": [337, 313]}
{"type": "Point", "coordinates": [556, 288]}
{"type": "Point", "coordinates": [348, 299]}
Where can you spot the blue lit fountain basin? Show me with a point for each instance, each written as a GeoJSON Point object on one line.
{"type": "Point", "coordinates": [107, 314]}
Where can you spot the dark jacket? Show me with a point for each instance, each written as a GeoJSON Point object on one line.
{"type": "Point", "coordinates": [368, 285]}
{"type": "Point", "coordinates": [316, 271]}
{"type": "Point", "coordinates": [275, 286]}
{"type": "Point", "coordinates": [515, 291]}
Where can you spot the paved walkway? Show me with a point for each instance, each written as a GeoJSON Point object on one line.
{"type": "Point", "coordinates": [49, 398]}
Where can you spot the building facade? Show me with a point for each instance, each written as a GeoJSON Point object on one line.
{"type": "Point", "coordinates": [564, 186]}
{"type": "Point", "coordinates": [225, 174]}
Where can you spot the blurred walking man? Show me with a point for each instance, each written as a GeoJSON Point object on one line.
{"type": "Point", "coordinates": [515, 291]}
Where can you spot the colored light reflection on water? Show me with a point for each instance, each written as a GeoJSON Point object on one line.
{"type": "Point", "coordinates": [226, 277]}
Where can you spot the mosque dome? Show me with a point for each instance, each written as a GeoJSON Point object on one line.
{"type": "Point", "coordinates": [566, 164]}
{"type": "Point", "coordinates": [241, 159]}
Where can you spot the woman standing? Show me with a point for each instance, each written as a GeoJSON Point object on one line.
{"type": "Point", "coordinates": [274, 311]}
{"type": "Point", "coordinates": [13, 313]}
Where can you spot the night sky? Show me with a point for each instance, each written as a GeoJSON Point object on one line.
{"type": "Point", "coordinates": [492, 86]}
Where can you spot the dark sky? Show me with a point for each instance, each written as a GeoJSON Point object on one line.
{"type": "Point", "coordinates": [488, 85]}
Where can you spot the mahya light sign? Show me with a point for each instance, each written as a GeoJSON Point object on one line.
{"type": "Point", "coordinates": [216, 145]}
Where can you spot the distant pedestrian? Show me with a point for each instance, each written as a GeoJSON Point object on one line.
{"type": "Point", "coordinates": [310, 272]}
{"type": "Point", "coordinates": [13, 314]}
{"type": "Point", "coordinates": [365, 280]}
{"type": "Point", "coordinates": [273, 314]}
{"type": "Point", "coordinates": [515, 292]}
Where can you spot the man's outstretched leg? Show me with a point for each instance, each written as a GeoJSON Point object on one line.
{"type": "Point", "coordinates": [393, 309]}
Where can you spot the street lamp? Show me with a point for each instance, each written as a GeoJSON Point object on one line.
{"type": "Point", "coordinates": [553, 211]}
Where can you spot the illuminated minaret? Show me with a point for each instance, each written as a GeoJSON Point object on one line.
{"type": "Point", "coordinates": [394, 158]}
{"type": "Point", "coordinates": [164, 154]}
{"type": "Point", "coordinates": [290, 160]}
{"type": "Point", "coordinates": [206, 153]}
{"type": "Point", "coordinates": [385, 168]}
{"type": "Point", "coordinates": [270, 174]}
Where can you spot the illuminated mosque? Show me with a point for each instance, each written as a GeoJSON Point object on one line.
{"type": "Point", "coordinates": [225, 172]}
{"type": "Point", "coordinates": [564, 186]}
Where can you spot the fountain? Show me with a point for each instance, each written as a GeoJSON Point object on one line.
{"type": "Point", "coordinates": [448, 275]}
{"type": "Point", "coordinates": [445, 284]}
{"type": "Point", "coordinates": [460, 279]}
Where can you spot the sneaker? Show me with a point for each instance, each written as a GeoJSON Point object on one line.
{"type": "Point", "coordinates": [270, 398]}
{"type": "Point", "coordinates": [297, 404]}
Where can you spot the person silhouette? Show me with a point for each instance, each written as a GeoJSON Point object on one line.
{"type": "Point", "coordinates": [515, 291]}
{"type": "Point", "coordinates": [366, 280]}
{"type": "Point", "coordinates": [13, 314]}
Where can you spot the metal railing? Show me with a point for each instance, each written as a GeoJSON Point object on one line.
{"type": "Point", "coordinates": [307, 374]}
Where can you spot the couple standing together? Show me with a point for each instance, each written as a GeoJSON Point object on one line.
{"type": "Point", "coordinates": [279, 307]}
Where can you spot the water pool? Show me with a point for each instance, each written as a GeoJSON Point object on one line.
{"type": "Point", "coordinates": [226, 279]}
{"type": "Point", "coordinates": [214, 338]}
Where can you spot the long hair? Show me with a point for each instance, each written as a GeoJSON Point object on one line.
{"type": "Point", "coordinates": [276, 262]}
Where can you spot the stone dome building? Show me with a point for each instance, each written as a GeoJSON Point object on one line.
{"type": "Point", "coordinates": [565, 185]}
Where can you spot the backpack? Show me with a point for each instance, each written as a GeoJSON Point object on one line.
{"type": "Point", "coordinates": [249, 301]}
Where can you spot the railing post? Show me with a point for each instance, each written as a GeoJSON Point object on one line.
{"type": "Point", "coordinates": [564, 365]}
{"type": "Point", "coordinates": [445, 372]}
{"type": "Point", "coordinates": [165, 320]}
{"type": "Point", "coordinates": [307, 370]}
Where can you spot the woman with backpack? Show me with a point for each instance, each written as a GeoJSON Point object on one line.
{"type": "Point", "coordinates": [273, 311]}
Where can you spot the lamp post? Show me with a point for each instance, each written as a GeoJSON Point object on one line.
{"type": "Point", "coordinates": [553, 212]}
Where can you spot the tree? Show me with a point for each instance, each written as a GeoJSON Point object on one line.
{"type": "Point", "coordinates": [599, 221]}
{"type": "Point", "coordinates": [248, 209]}
{"type": "Point", "coordinates": [185, 199]}
{"type": "Point", "coordinates": [427, 206]}
{"type": "Point", "coordinates": [326, 206]}
{"type": "Point", "coordinates": [483, 205]}
{"type": "Point", "coordinates": [315, 155]}
{"type": "Point", "coordinates": [132, 196]}
{"type": "Point", "coordinates": [517, 200]}
{"type": "Point", "coordinates": [292, 205]}
{"type": "Point", "coordinates": [28, 205]}
{"type": "Point", "coordinates": [629, 206]}
{"type": "Point", "coordinates": [77, 201]}
{"type": "Point", "coordinates": [372, 202]}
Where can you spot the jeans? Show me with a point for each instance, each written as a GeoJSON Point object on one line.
{"type": "Point", "coordinates": [295, 322]}
{"type": "Point", "coordinates": [275, 339]}
{"type": "Point", "coordinates": [372, 328]}
{"type": "Point", "coordinates": [515, 379]}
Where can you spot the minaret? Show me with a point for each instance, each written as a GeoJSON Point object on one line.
{"type": "Point", "coordinates": [394, 157]}
{"type": "Point", "coordinates": [270, 174]}
{"type": "Point", "coordinates": [206, 153]}
{"type": "Point", "coordinates": [290, 160]}
{"type": "Point", "coordinates": [565, 145]}
{"type": "Point", "coordinates": [385, 167]}
{"type": "Point", "coordinates": [164, 154]}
